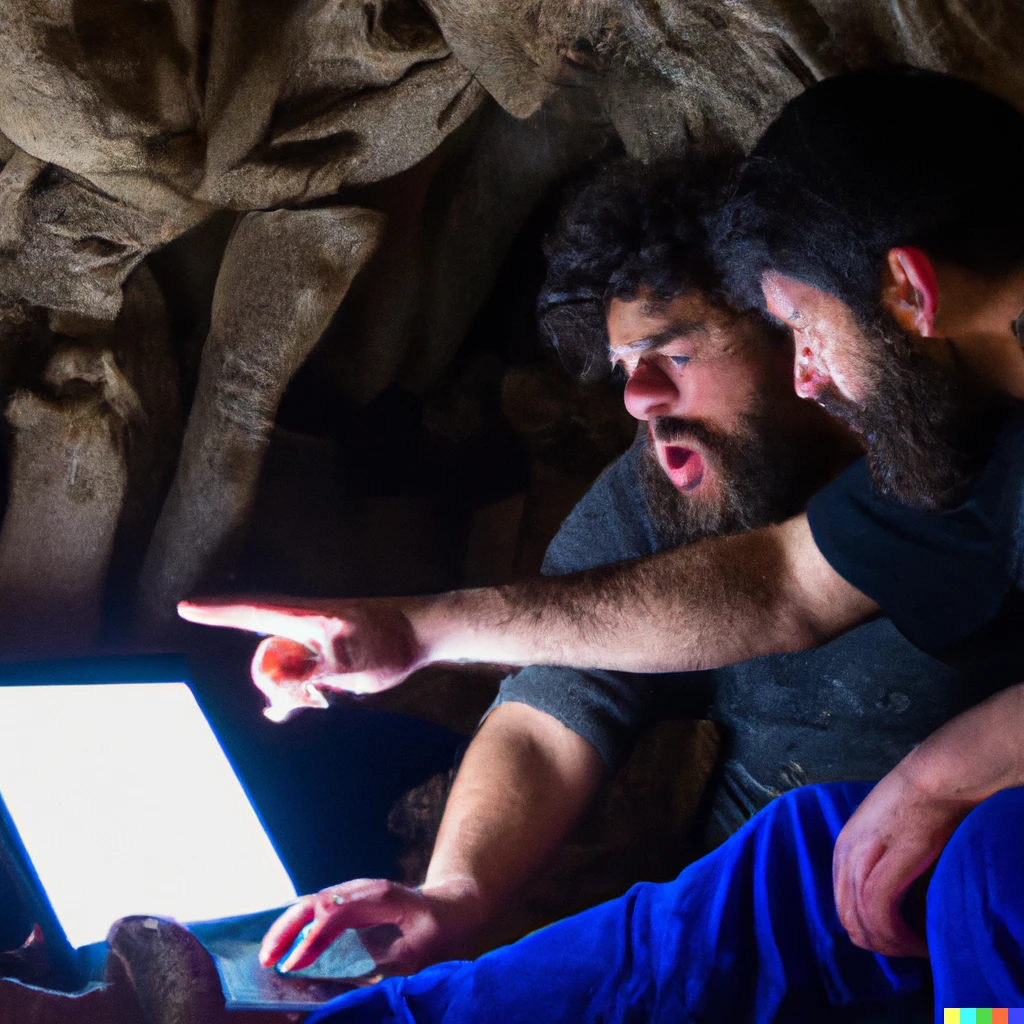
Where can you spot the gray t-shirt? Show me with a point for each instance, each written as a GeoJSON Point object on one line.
{"type": "Point", "coordinates": [848, 710]}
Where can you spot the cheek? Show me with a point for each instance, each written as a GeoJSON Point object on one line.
{"type": "Point", "coordinates": [725, 389]}
{"type": "Point", "coordinates": [848, 370]}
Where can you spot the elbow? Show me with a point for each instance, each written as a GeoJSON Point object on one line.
{"type": "Point", "coordinates": [791, 627]}
{"type": "Point", "coordinates": [803, 630]}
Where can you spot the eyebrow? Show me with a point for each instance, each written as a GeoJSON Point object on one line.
{"type": "Point", "coordinates": [674, 331]}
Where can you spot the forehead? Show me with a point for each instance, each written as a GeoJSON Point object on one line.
{"type": "Point", "coordinates": [646, 323]}
{"type": "Point", "coordinates": [786, 297]}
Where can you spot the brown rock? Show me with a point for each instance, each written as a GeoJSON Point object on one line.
{"type": "Point", "coordinates": [283, 275]}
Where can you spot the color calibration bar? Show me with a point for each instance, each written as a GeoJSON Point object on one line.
{"type": "Point", "coordinates": [982, 1015]}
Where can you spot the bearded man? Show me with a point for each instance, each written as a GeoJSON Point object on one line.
{"type": "Point", "coordinates": [840, 213]}
{"type": "Point", "coordinates": [894, 266]}
{"type": "Point", "coordinates": [726, 447]}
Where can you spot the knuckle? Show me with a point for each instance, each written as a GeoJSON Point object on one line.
{"type": "Point", "coordinates": [324, 903]}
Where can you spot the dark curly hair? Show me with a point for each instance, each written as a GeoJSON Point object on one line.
{"type": "Point", "coordinates": [868, 161]}
{"type": "Point", "coordinates": [628, 228]}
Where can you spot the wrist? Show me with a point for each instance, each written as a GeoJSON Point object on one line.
{"type": "Point", "coordinates": [459, 902]}
{"type": "Point", "coordinates": [974, 755]}
{"type": "Point", "coordinates": [922, 776]}
{"type": "Point", "coordinates": [448, 627]}
{"type": "Point", "coordinates": [940, 776]}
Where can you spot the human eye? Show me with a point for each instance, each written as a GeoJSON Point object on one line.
{"type": "Point", "coordinates": [620, 373]}
{"type": "Point", "coordinates": [679, 360]}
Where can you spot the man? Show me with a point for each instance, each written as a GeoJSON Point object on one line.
{"type": "Point", "coordinates": [719, 458]}
{"type": "Point", "coordinates": [631, 284]}
{"type": "Point", "coordinates": [937, 243]}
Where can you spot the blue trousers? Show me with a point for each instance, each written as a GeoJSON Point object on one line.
{"type": "Point", "coordinates": [748, 933]}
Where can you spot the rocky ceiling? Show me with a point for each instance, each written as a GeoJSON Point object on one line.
{"type": "Point", "coordinates": [196, 195]}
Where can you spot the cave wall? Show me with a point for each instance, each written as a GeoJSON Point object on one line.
{"type": "Point", "coordinates": [267, 270]}
{"type": "Point", "coordinates": [376, 158]}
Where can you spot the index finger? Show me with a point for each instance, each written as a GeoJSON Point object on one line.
{"type": "Point", "coordinates": [284, 931]}
{"type": "Point", "coordinates": [265, 617]}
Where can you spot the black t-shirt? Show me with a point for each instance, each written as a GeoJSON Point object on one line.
{"type": "Point", "coordinates": [947, 579]}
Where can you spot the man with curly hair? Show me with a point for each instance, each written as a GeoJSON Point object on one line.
{"type": "Point", "coordinates": [725, 447]}
{"type": "Point", "coordinates": [881, 219]}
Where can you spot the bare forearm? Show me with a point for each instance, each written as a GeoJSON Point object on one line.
{"type": "Point", "coordinates": [525, 781]}
{"type": "Point", "coordinates": [706, 605]}
{"type": "Point", "coordinates": [714, 603]}
{"type": "Point", "coordinates": [975, 754]}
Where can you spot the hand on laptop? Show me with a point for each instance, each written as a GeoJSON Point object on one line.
{"type": "Point", "coordinates": [353, 646]}
{"type": "Point", "coordinates": [432, 924]}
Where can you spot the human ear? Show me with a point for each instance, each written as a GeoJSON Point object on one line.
{"type": "Point", "coordinates": [809, 374]}
{"type": "Point", "coordinates": [910, 290]}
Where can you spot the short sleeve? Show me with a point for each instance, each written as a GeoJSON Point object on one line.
{"type": "Point", "coordinates": [940, 576]}
{"type": "Point", "coordinates": [608, 709]}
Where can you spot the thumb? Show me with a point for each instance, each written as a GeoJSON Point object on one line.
{"type": "Point", "coordinates": [285, 672]}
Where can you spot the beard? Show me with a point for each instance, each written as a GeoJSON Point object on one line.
{"type": "Point", "coordinates": [928, 425]}
{"type": "Point", "coordinates": [762, 476]}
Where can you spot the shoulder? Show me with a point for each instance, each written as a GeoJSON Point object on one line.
{"type": "Point", "coordinates": [940, 576]}
{"type": "Point", "coordinates": [609, 523]}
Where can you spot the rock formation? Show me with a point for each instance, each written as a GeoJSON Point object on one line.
{"type": "Point", "coordinates": [125, 125]}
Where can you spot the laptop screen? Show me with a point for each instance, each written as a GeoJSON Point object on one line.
{"type": "Point", "coordinates": [126, 804]}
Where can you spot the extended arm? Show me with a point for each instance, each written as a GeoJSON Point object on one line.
{"type": "Point", "coordinates": [525, 781]}
{"type": "Point", "coordinates": [714, 603]}
{"type": "Point", "coordinates": [902, 826]}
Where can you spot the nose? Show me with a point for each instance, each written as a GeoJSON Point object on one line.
{"type": "Point", "coordinates": [651, 392]}
{"type": "Point", "coordinates": [808, 377]}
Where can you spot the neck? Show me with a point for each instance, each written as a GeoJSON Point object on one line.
{"type": "Point", "coordinates": [828, 445]}
{"type": "Point", "coordinates": [975, 314]}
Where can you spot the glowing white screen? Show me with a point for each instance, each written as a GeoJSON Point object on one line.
{"type": "Point", "coordinates": [126, 804]}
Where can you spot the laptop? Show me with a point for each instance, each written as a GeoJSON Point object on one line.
{"type": "Point", "coordinates": [117, 799]}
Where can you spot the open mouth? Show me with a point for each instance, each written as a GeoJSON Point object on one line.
{"type": "Point", "coordinates": [685, 466]}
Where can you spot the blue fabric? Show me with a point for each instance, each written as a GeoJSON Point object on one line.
{"type": "Point", "coordinates": [748, 933]}
{"type": "Point", "coordinates": [976, 908]}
